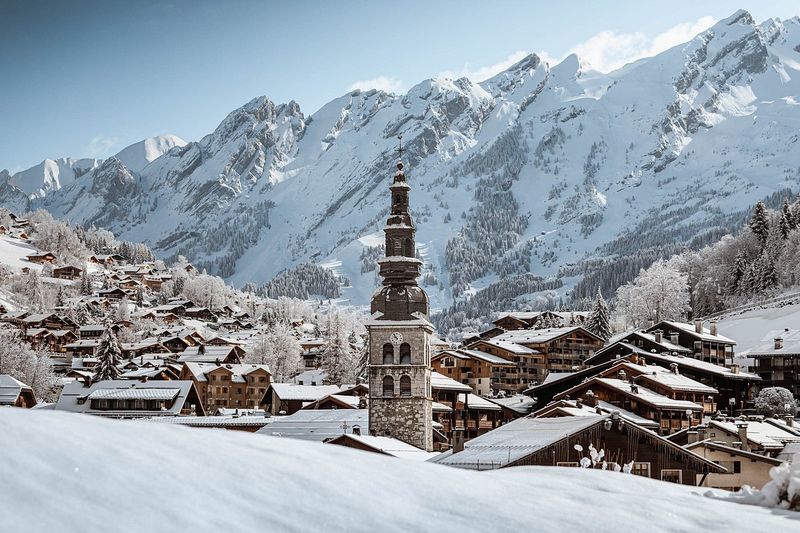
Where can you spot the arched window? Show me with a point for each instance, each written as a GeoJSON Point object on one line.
{"type": "Point", "coordinates": [388, 354]}
{"type": "Point", "coordinates": [405, 386]}
{"type": "Point", "coordinates": [408, 248]}
{"type": "Point", "coordinates": [397, 247]}
{"type": "Point", "coordinates": [405, 354]}
{"type": "Point", "coordinates": [388, 386]}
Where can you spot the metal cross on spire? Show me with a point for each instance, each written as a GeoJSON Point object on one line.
{"type": "Point", "coordinates": [400, 147]}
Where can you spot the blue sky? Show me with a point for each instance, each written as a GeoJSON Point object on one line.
{"type": "Point", "coordinates": [87, 78]}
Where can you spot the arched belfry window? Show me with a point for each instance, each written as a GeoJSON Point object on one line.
{"type": "Point", "coordinates": [397, 247]}
{"type": "Point", "coordinates": [388, 386]}
{"type": "Point", "coordinates": [388, 354]}
{"type": "Point", "coordinates": [408, 248]}
{"type": "Point", "coordinates": [405, 386]}
{"type": "Point", "coordinates": [405, 354]}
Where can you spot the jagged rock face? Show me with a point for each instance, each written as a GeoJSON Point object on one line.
{"type": "Point", "coordinates": [535, 169]}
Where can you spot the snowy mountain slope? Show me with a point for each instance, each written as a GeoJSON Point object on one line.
{"type": "Point", "coordinates": [556, 170]}
{"type": "Point", "coordinates": [139, 155]}
{"type": "Point", "coordinates": [50, 487]}
{"type": "Point", "coordinates": [51, 175]}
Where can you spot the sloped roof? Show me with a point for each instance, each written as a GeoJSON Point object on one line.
{"type": "Point", "coordinates": [388, 445]}
{"type": "Point", "coordinates": [318, 424]}
{"type": "Point", "coordinates": [306, 393]}
{"type": "Point", "coordinates": [10, 389]}
{"type": "Point", "coordinates": [442, 382]}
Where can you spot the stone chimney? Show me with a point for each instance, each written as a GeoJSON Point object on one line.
{"type": "Point", "coordinates": [692, 436]}
{"type": "Point", "coordinates": [590, 399]}
{"type": "Point", "coordinates": [698, 325]}
{"type": "Point", "coordinates": [673, 368]}
{"type": "Point", "coordinates": [778, 343]}
{"type": "Point", "coordinates": [458, 440]}
{"type": "Point", "coordinates": [734, 369]}
{"type": "Point", "coordinates": [674, 337]}
{"type": "Point", "coordinates": [789, 420]}
{"type": "Point", "coordinates": [713, 327]}
{"type": "Point", "coordinates": [742, 428]}
{"type": "Point", "coordinates": [659, 335]}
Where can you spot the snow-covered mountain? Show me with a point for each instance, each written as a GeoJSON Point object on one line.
{"type": "Point", "coordinates": [139, 155]}
{"type": "Point", "coordinates": [554, 169]}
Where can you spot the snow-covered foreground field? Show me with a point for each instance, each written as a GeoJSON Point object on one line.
{"type": "Point", "coordinates": [76, 473]}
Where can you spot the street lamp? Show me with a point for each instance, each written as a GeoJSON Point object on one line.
{"type": "Point", "coordinates": [689, 418]}
{"type": "Point", "coordinates": [732, 403]}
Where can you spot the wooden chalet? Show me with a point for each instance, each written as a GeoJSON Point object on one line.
{"type": "Point", "coordinates": [42, 258]}
{"type": "Point", "coordinates": [705, 344]}
{"type": "Point", "coordinates": [67, 272]}
{"type": "Point", "coordinates": [228, 385]}
{"type": "Point", "coordinates": [211, 354]}
{"type": "Point", "coordinates": [113, 293]}
{"type": "Point", "coordinates": [472, 367]}
{"type": "Point", "coordinates": [777, 362]}
{"type": "Point", "coordinates": [743, 467]}
{"type": "Point", "coordinates": [47, 321]}
{"type": "Point", "coordinates": [381, 445]}
{"type": "Point", "coordinates": [552, 442]}
{"type": "Point", "coordinates": [14, 393]}
{"type": "Point", "coordinates": [731, 381]}
{"type": "Point", "coordinates": [125, 398]}
{"type": "Point", "coordinates": [288, 398]}
{"type": "Point", "coordinates": [106, 259]}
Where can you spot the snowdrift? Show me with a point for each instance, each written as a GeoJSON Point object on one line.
{"type": "Point", "coordinates": [77, 473]}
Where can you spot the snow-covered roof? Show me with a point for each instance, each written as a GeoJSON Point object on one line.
{"type": "Point", "coordinates": [648, 396]}
{"type": "Point", "coordinates": [318, 424]}
{"type": "Point", "coordinates": [690, 329]}
{"type": "Point", "coordinates": [306, 393]}
{"type": "Point", "coordinates": [790, 344]}
{"type": "Point", "coordinates": [691, 362]}
{"type": "Point", "coordinates": [462, 353]}
{"type": "Point", "coordinates": [10, 389]}
{"type": "Point", "coordinates": [665, 377]}
{"type": "Point", "coordinates": [515, 440]}
{"type": "Point", "coordinates": [209, 353]}
{"type": "Point", "coordinates": [518, 403]}
{"type": "Point", "coordinates": [509, 346]}
{"type": "Point", "coordinates": [765, 435]}
{"type": "Point", "coordinates": [479, 404]}
{"type": "Point", "coordinates": [536, 336]}
{"type": "Point", "coordinates": [391, 446]}
{"type": "Point", "coordinates": [572, 408]}
{"type": "Point", "coordinates": [238, 371]}
{"type": "Point", "coordinates": [218, 421]}
{"type": "Point", "coordinates": [74, 395]}
{"type": "Point", "coordinates": [134, 394]}
{"type": "Point", "coordinates": [442, 382]}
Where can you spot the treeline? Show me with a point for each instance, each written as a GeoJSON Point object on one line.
{"type": "Point", "coordinates": [303, 281]}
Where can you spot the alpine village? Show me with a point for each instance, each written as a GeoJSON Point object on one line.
{"type": "Point", "coordinates": [316, 318]}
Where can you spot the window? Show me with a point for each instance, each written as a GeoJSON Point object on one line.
{"type": "Point", "coordinates": [405, 354]}
{"type": "Point", "coordinates": [567, 463]}
{"type": "Point", "coordinates": [641, 469]}
{"type": "Point", "coordinates": [388, 354]}
{"type": "Point", "coordinates": [262, 379]}
{"type": "Point", "coordinates": [737, 467]}
{"type": "Point", "coordinates": [388, 386]}
{"type": "Point", "coordinates": [405, 386]}
{"type": "Point", "coordinates": [672, 475]}
{"type": "Point", "coordinates": [408, 248]}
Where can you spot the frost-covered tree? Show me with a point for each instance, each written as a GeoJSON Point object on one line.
{"type": "Point", "coordinates": [775, 401]}
{"type": "Point", "coordinates": [279, 349]}
{"type": "Point", "coordinates": [109, 356]}
{"type": "Point", "coordinates": [34, 292]}
{"type": "Point", "coordinates": [599, 321]}
{"type": "Point", "coordinates": [30, 366]}
{"type": "Point", "coordinates": [86, 282]}
{"type": "Point", "coordinates": [123, 311]}
{"type": "Point", "coordinates": [785, 223]}
{"type": "Point", "coordinates": [339, 357]}
{"type": "Point", "coordinates": [659, 293]}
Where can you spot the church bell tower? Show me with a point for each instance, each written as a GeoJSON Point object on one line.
{"type": "Point", "coordinates": [400, 398]}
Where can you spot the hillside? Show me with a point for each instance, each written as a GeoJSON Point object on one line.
{"type": "Point", "coordinates": [557, 170]}
{"type": "Point", "coordinates": [77, 473]}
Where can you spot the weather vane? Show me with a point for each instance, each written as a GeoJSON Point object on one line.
{"type": "Point", "coordinates": [400, 147]}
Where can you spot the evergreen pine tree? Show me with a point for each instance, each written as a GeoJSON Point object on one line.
{"type": "Point", "coordinates": [86, 283]}
{"type": "Point", "coordinates": [599, 321]}
{"type": "Point", "coordinates": [61, 297]}
{"type": "Point", "coordinates": [739, 272]}
{"type": "Point", "coordinates": [785, 223]}
{"type": "Point", "coordinates": [109, 355]}
{"type": "Point", "coordinates": [759, 223]}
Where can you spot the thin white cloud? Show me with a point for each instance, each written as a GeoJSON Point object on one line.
{"type": "Point", "coordinates": [382, 83]}
{"type": "Point", "coordinates": [478, 74]}
{"type": "Point", "coordinates": [610, 50]}
{"type": "Point", "coordinates": [101, 146]}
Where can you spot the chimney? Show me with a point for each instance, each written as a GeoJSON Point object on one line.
{"type": "Point", "coordinates": [217, 361]}
{"type": "Point", "coordinates": [692, 436]}
{"type": "Point", "coordinates": [201, 348]}
{"type": "Point", "coordinates": [742, 427]}
{"type": "Point", "coordinates": [658, 334]}
{"type": "Point", "coordinates": [590, 399]}
{"type": "Point", "coordinates": [642, 361]}
{"type": "Point", "coordinates": [789, 420]}
{"type": "Point", "coordinates": [458, 440]}
{"type": "Point", "coordinates": [673, 368]}
{"type": "Point", "coordinates": [651, 323]}
{"type": "Point", "coordinates": [87, 382]}
{"type": "Point", "coordinates": [674, 337]}
{"type": "Point", "coordinates": [701, 432]}
{"type": "Point", "coordinates": [356, 430]}
{"type": "Point", "coordinates": [778, 343]}
{"type": "Point", "coordinates": [143, 379]}
{"type": "Point", "coordinates": [698, 325]}
{"type": "Point", "coordinates": [734, 369]}
{"type": "Point", "coordinates": [578, 403]}
{"type": "Point", "coordinates": [362, 402]}
{"type": "Point", "coordinates": [621, 375]}
{"type": "Point", "coordinates": [714, 327]}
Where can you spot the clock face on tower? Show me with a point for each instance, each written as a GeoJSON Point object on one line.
{"type": "Point", "coordinates": [396, 338]}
